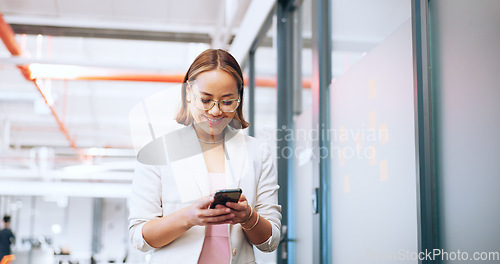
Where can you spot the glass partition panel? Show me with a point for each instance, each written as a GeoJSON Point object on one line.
{"type": "Point", "coordinates": [465, 58]}
{"type": "Point", "coordinates": [374, 213]}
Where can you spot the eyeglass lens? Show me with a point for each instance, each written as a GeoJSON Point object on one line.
{"type": "Point", "coordinates": [224, 105]}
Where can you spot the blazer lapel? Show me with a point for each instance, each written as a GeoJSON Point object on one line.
{"type": "Point", "coordinates": [236, 157]}
{"type": "Point", "coordinates": [188, 165]}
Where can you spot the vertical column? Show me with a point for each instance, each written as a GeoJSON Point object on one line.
{"type": "Point", "coordinates": [251, 71]}
{"type": "Point", "coordinates": [297, 60]}
{"type": "Point", "coordinates": [285, 128]}
{"type": "Point", "coordinates": [251, 92]}
{"type": "Point", "coordinates": [32, 228]}
{"type": "Point", "coordinates": [96, 226]}
{"type": "Point", "coordinates": [321, 80]}
{"type": "Point", "coordinates": [426, 208]}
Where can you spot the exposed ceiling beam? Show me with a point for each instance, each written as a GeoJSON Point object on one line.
{"type": "Point", "coordinates": [112, 33]}
{"type": "Point", "coordinates": [250, 27]}
{"type": "Point", "coordinates": [115, 30]}
{"type": "Point", "coordinates": [226, 36]}
{"type": "Point", "coordinates": [100, 24]}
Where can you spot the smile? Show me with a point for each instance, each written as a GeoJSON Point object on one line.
{"type": "Point", "coordinates": [216, 121]}
{"type": "Point", "coordinates": [213, 120]}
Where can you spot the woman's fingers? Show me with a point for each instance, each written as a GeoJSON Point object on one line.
{"type": "Point", "coordinates": [241, 210]}
{"type": "Point", "coordinates": [216, 212]}
{"type": "Point", "coordinates": [200, 214]}
{"type": "Point", "coordinates": [231, 213]}
{"type": "Point", "coordinates": [204, 202]}
{"type": "Point", "coordinates": [240, 206]}
{"type": "Point", "coordinates": [217, 219]}
{"type": "Point", "coordinates": [219, 215]}
{"type": "Point", "coordinates": [242, 198]}
{"type": "Point", "coordinates": [220, 206]}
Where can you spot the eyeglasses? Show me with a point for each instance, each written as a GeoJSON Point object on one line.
{"type": "Point", "coordinates": [226, 106]}
{"type": "Point", "coordinates": [205, 104]}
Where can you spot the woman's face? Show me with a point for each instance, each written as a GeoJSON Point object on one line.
{"type": "Point", "coordinates": [212, 85]}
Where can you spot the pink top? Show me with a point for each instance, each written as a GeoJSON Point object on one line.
{"type": "Point", "coordinates": [216, 245]}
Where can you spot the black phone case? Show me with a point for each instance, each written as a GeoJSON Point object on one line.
{"type": "Point", "coordinates": [224, 196]}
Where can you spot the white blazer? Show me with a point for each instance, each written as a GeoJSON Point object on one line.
{"type": "Point", "coordinates": [171, 174]}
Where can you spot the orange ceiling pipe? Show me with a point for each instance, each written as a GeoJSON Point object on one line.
{"type": "Point", "coordinates": [170, 78]}
{"type": "Point", "coordinates": [62, 126]}
{"type": "Point", "coordinates": [8, 37]}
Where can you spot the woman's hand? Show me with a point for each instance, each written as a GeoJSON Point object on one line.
{"type": "Point", "coordinates": [200, 214]}
{"type": "Point", "coordinates": [241, 210]}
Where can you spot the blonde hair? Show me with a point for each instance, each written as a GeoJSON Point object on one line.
{"type": "Point", "coordinates": [209, 60]}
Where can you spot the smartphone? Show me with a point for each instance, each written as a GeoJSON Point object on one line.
{"type": "Point", "coordinates": [226, 195]}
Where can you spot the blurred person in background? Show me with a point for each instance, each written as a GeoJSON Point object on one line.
{"type": "Point", "coordinates": [6, 238]}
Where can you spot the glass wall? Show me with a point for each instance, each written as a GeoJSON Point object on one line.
{"type": "Point", "coordinates": [465, 58]}
{"type": "Point", "coordinates": [373, 206]}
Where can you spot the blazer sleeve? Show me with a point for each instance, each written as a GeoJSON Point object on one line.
{"type": "Point", "coordinates": [145, 203]}
{"type": "Point", "coordinates": [267, 200]}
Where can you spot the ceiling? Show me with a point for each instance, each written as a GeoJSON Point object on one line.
{"type": "Point", "coordinates": [62, 39]}
{"type": "Point", "coordinates": [66, 39]}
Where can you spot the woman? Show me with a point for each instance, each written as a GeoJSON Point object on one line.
{"type": "Point", "coordinates": [178, 173]}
